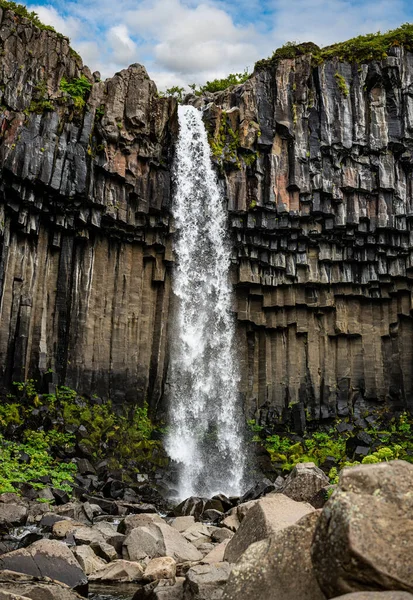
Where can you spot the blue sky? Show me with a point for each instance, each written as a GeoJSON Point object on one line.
{"type": "Point", "coordinates": [187, 41]}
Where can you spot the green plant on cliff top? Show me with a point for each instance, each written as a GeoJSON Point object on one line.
{"type": "Point", "coordinates": [341, 82]}
{"type": "Point", "coordinates": [21, 11]}
{"type": "Point", "coordinates": [373, 46]}
{"type": "Point", "coordinates": [77, 88]}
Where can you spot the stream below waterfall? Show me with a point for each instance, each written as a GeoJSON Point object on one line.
{"type": "Point", "coordinates": [206, 432]}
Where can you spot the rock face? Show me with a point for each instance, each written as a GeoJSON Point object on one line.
{"type": "Point", "coordinates": [267, 516]}
{"type": "Point", "coordinates": [319, 185]}
{"type": "Point", "coordinates": [277, 567]}
{"type": "Point", "coordinates": [364, 537]}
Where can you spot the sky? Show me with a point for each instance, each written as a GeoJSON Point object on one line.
{"type": "Point", "coordinates": [186, 41]}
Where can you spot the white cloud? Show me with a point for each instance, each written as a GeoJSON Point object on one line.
{"type": "Point", "coordinates": [69, 26]}
{"type": "Point", "coordinates": [185, 41]}
{"type": "Point", "coordinates": [124, 49]}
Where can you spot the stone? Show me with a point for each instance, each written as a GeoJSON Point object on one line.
{"type": "Point", "coordinates": [87, 559]}
{"type": "Point", "coordinates": [104, 550]}
{"type": "Point", "coordinates": [377, 596]}
{"type": "Point", "coordinates": [60, 529]}
{"type": "Point", "coordinates": [219, 534]}
{"type": "Point", "coordinates": [206, 582]}
{"type": "Point", "coordinates": [158, 539]}
{"type": "Point", "coordinates": [217, 554]}
{"type": "Point", "coordinates": [231, 522]}
{"type": "Point", "coordinates": [17, 586]}
{"type": "Point", "coordinates": [192, 506]}
{"type": "Point", "coordinates": [142, 542]}
{"type": "Point", "coordinates": [182, 523]}
{"type": "Point", "coordinates": [278, 567]}
{"type": "Point", "coordinates": [161, 590]}
{"type": "Point", "coordinates": [197, 534]}
{"type": "Point", "coordinates": [12, 515]}
{"type": "Point", "coordinates": [119, 571]}
{"type": "Point", "coordinates": [304, 481]}
{"type": "Point", "coordinates": [133, 521]}
{"type": "Point", "coordinates": [266, 517]}
{"type": "Point", "coordinates": [364, 537]}
{"type": "Point", "coordinates": [47, 558]}
{"type": "Point", "coordinates": [160, 568]}
{"type": "Point", "coordinates": [260, 489]}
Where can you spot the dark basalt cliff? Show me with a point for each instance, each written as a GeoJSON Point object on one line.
{"type": "Point", "coordinates": [316, 163]}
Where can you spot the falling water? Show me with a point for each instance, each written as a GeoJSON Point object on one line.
{"type": "Point", "coordinates": [205, 416]}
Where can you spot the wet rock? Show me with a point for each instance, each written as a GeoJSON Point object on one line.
{"type": "Point", "coordinates": [266, 517]}
{"type": "Point", "coordinates": [277, 567]}
{"type": "Point", "coordinates": [260, 489]}
{"type": "Point", "coordinates": [364, 537]}
{"type": "Point", "coordinates": [304, 481]}
{"type": "Point", "coordinates": [161, 590]}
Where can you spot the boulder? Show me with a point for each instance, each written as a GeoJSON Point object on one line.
{"type": "Point", "coordinates": [277, 568]}
{"type": "Point", "coordinates": [133, 521]}
{"type": "Point", "coordinates": [12, 515]}
{"type": "Point", "coordinates": [206, 582]}
{"type": "Point", "coordinates": [266, 517]}
{"type": "Point", "coordinates": [160, 568]}
{"type": "Point", "coordinates": [159, 539]}
{"type": "Point", "coordinates": [304, 481]}
{"type": "Point", "coordinates": [197, 534]}
{"type": "Point", "coordinates": [60, 529]}
{"type": "Point", "coordinates": [19, 586]}
{"type": "Point", "coordinates": [377, 596]}
{"type": "Point", "coordinates": [182, 523]}
{"type": "Point", "coordinates": [216, 554]}
{"type": "Point", "coordinates": [47, 558]}
{"type": "Point", "coordinates": [192, 506]}
{"type": "Point", "coordinates": [87, 559]}
{"type": "Point", "coordinates": [258, 490]}
{"type": "Point", "coordinates": [364, 538]}
{"type": "Point", "coordinates": [231, 522]}
{"type": "Point", "coordinates": [219, 534]}
{"type": "Point", "coordinates": [161, 590]}
{"type": "Point", "coordinates": [120, 571]}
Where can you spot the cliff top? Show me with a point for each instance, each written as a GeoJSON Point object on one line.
{"type": "Point", "coordinates": [363, 48]}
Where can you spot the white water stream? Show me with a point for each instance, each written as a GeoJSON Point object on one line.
{"type": "Point", "coordinates": [205, 434]}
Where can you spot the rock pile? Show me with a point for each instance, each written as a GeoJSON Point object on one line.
{"type": "Point", "coordinates": [359, 546]}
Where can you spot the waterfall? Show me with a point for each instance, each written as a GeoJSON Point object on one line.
{"type": "Point", "coordinates": [205, 433]}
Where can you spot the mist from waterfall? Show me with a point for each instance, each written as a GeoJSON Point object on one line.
{"type": "Point", "coordinates": [205, 433]}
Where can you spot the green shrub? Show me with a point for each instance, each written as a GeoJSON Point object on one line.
{"type": "Point", "coordinates": [78, 89]}
{"type": "Point", "coordinates": [21, 11]}
{"type": "Point", "coordinates": [363, 48]}
{"type": "Point", "coordinates": [38, 462]}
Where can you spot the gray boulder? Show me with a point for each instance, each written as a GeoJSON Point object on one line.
{"type": "Point", "coordinates": [17, 586]}
{"type": "Point", "coordinates": [266, 517]}
{"type": "Point", "coordinates": [47, 558]}
{"type": "Point", "coordinates": [377, 596]}
{"type": "Point", "coordinates": [206, 582]}
{"type": "Point", "coordinates": [304, 481]}
{"type": "Point", "coordinates": [364, 537]}
{"type": "Point", "coordinates": [277, 568]}
{"type": "Point", "coordinates": [159, 539]}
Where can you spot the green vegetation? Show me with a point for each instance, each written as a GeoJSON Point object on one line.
{"type": "Point", "coordinates": [218, 85]}
{"type": "Point", "coordinates": [32, 459]}
{"type": "Point", "coordinates": [34, 438]}
{"type": "Point", "coordinates": [373, 46]}
{"type": "Point", "coordinates": [78, 89]}
{"type": "Point", "coordinates": [393, 441]}
{"type": "Point", "coordinates": [341, 82]}
{"type": "Point", "coordinates": [21, 11]}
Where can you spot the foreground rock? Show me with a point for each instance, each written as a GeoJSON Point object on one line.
{"type": "Point", "coordinates": [18, 585]}
{"type": "Point", "coordinates": [206, 582]}
{"type": "Point", "coordinates": [364, 538]}
{"type": "Point", "coordinates": [47, 558]}
{"type": "Point", "coordinates": [156, 540]}
{"type": "Point", "coordinates": [304, 481]}
{"type": "Point", "coordinates": [266, 517]}
{"type": "Point", "coordinates": [377, 596]}
{"type": "Point", "coordinates": [119, 571]}
{"type": "Point", "coordinates": [277, 568]}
